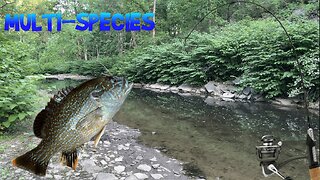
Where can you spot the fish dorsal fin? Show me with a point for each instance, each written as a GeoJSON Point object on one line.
{"type": "Point", "coordinates": [42, 117]}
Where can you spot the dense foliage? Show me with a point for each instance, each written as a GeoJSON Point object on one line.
{"type": "Point", "coordinates": [257, 51]}
{"type": "Point", "coordinates": [17, 92]}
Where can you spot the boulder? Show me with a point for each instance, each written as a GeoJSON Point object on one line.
{"type": "Point", "coordinates": [210, 86]}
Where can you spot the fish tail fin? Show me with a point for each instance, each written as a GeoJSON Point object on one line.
{"type": "Point", "coordinates": [29, 162]}
{"type": "Point", "coordinates": [70, 159]}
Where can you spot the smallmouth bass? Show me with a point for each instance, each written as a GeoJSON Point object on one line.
{"type": "Point", "coordinates": [72, 118]}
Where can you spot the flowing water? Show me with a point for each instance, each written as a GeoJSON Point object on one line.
{"type": "Point", "coordinates": [215, 138]}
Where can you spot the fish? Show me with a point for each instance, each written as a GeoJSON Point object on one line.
{"type": "Point", "coordinates": [71, 118]}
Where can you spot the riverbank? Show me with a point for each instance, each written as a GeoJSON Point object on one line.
{"type": "Point", "coordinates": [224, 91]}
{"type": "Point", "coordinates": [120, 158]}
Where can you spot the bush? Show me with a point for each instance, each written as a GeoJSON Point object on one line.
{"type": "Point", "coordinates": [259, 51]}
{"type": "Point", "coordinates": [17, 93]}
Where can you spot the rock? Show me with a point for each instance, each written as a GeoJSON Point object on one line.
{"type": "Point", "coordinates": [210, 86]}
{"type": "Point", "coordinates": [89, 166]}
{"type": "Point", "coordinates": [247, 90]}
{"type": "Point", "coordinates": [144, 167]}
{"type": "Point", "coordinates": [159, 86]}
{"type": "Point", "coordinates": [155, 166]}
{"type": "Point", "coordinates": [228, 95]}
{"type": "Point", "coordinates": [139, 158]}
{"type": "Point", "coordinates": [185, 88]}
{"type": "Point", "coordinates": [185, 94]}
{"type": "Point", "coordinates": [120, 147]}
{"type": "Point", "coordinates": [48, 176]}
{"type": "Point", "coordinates": [57, 176]}
{"type": "Point", "coordinates": [131, 177]}
{"type": "Point", "coordinates": [242, 96]}
{"type": "Point", "coordinates": [104, 176]}
{"type": "Point", "coordinates": [203, 90]}
{"type": "Point", "coordinates": [103, 162]}
{"type": "Point", "coordinates": [119, 169]}
{"type": "Point", "coordinates": [141, 175]}
{"type": "Point", "coordinates": [137, 85]}
{"type": "Point", "coordinates": [156, 176]}
{"type": "Point", "coordinates": [227, 99]}
{"type": "Point", "coordinates": [173, 89]}
{"type": "Point", "coordinates": [259, 98]}
{"type": "Point", "coordinates": [118, 159]}
{"type": "Point", "coordinates": [153, 159]}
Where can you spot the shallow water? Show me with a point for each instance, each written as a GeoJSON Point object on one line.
{"type": "Point", "coordinates": [217, 140]}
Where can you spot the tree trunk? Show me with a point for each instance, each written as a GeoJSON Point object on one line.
{"type": "Point", "coordinates": [133, 42]}
{"type": "Point", "coordinates": [154, 18]}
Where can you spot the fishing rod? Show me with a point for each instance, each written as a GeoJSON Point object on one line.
{"type": "Point", "coordinates": [268, 152]}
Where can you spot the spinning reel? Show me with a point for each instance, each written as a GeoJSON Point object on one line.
{"type": "Point", "coordinates": [268, 154]}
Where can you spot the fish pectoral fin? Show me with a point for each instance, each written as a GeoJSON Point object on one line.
{"type": "Point", "coordinates": [70, 159]}
{"type": "Point", "coordinates": [98, 136]}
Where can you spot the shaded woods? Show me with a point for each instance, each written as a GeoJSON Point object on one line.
{"type": "Point", "coordinates": [239, 41]}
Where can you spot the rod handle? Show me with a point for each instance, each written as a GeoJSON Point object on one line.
{"type": "Point", "coordinates": [314, 173]}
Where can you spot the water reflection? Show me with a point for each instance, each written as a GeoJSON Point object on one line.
{"type": "Point", "coordinates": [217, 139]}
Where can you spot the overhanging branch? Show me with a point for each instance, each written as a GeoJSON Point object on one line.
{"type": "Point", "coordinates": [6, 3]}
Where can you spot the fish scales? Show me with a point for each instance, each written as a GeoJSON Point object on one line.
{"type": "Point", "coordinates": [72, 119]}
